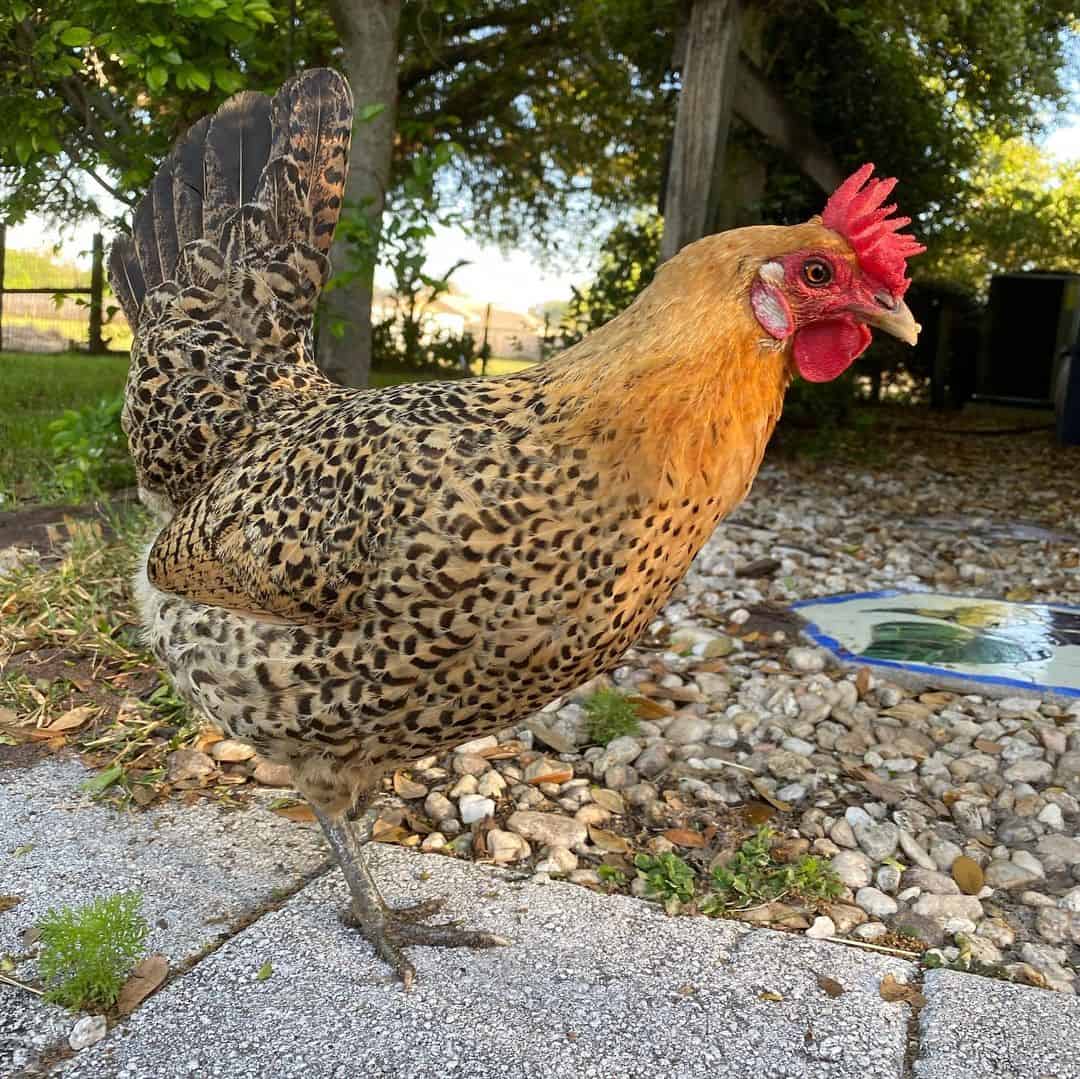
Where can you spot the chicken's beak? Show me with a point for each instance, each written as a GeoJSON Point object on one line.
{"type": "Point", "coordinates": [890, 314]}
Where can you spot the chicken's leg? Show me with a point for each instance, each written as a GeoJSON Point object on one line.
{"type": "Point", "coordinates": [390, 930]}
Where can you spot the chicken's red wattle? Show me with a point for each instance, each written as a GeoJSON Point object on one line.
{"type": "Point", "coordinates": [827, 348]}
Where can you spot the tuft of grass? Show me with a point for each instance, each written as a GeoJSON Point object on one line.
{"type": "Point", "coordinates": [610, 715]}
{"type": "Point", "coordinates": [753, 876]}
{"type": "Point", "coordinates": [87, 953]}
{"type": "Point", "coordinates": [90, 451]}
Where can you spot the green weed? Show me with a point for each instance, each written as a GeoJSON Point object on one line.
{"type": "Point", "coordinates": [610, 716]}
{"type": "Point", "coordinates": [87, 954]}
{"type": "Point", "coordinates": [753, 876]}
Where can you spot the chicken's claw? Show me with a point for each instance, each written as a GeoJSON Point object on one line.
{"type": "Point", "coordinates": [393, 928]}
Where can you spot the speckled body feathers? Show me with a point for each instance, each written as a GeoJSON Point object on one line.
{"type": "Point", "coordinates": [352, 579]}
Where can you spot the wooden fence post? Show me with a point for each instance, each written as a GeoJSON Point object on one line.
{"type": "Point", "coordinates": [694, 184]}
{"type": "Point", "coordinates": [97, 294]}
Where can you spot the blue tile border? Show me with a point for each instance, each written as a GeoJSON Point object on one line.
{"type": "Point", "coordinates": [820, 637]}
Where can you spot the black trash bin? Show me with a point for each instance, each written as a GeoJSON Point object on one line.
{"type": "Point", "coordinates": [1067, 398]}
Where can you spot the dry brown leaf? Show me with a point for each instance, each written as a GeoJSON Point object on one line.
{"type": "Point", "coordinates": [231, 751]}
{"type": "Point", "coordinates": [862, 681]}
{"type": "Point", "coordinates": [302, 813]}
{"type": "Point", "coordinates": [968, 875]}
{"type": "Point", "coordinates": [769, 995]}
{"type": "Point", "coordinates": [383, 831]}
{"type": "Point", "coordinates": [406, 787]}
{"type": "Point", "coordinates": [829, 985]}
{"type": "Point", "coordinates": [647, 709]}
{"type": "Point", "coordinates": [9, 901]}
{"type": "Point", "coordinates": [684, 837]}
{"type": "Point", "coordinates": [610, 800]}
{"type": "Point", "coordinates": [909, 712]}
{"type": "Point", "coordinates": [757, 813]}
{"type": "Point", "coordinates": [72, 719]}
{"type": "Point", "coordinates": [609, 841]}
{"type": "Point", "coordinates": [207, 738]}
{"type": "Point", "coordinates": [892, 991]}
{"type": "Point", "coordinates": [504, 751]}
{"type": "Point", "coordinates": [937, 698]}
{"type": "Point", "coordinates": [143, 980]}
{"type": "Point", "coordinates": [763, 790]}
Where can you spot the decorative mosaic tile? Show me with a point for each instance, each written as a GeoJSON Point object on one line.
{"type": "Point", "coordinates": [1029, 646]}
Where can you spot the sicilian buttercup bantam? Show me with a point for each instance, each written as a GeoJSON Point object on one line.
{"type": "Point", "coordinates": [350, 580]}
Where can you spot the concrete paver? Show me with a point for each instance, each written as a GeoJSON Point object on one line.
{"type": "Point", "coordinates": [975, 1027]}
{"type": "Point", "coordinates": [201, 870]}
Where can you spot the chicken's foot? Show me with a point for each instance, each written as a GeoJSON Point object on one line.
{"type": "Point", "coordinates": [389, 929]}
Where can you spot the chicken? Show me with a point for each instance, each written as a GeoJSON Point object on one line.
{"type": "Point", "coordinates": [350, 580]}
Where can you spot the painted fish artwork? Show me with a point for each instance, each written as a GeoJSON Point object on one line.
{"type": "Point", "coordinates": [1032, 646]}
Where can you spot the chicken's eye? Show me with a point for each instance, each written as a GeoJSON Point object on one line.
{"type": "Point", "coordinates": [817, 272]}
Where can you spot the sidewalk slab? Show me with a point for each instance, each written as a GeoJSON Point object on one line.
{"type": "Point", "coordinates": [973, 1027]}
{"type": "Point", "coordinates": [592, 986]}
{"type": "Point", "coordinates": [201, 870]}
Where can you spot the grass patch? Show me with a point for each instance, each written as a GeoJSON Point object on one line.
{"type": "Point", "coordinates": [75, 670]}
{"type": "Point", "coordinates": [610, 715]}
{"type": "Point", "coordinates": [87, 953]}
{"type": "Point", "coordinates": [35, 390]}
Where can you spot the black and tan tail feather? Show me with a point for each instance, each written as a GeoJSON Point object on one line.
{"type": "Point", "coordinates": [221, 276]}
{"type": "Point", "coordinates": [277, 165]}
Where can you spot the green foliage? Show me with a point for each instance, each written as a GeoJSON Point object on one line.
{"type": "Point", "coordinates": [667, 876]}
{"type": "Point", "coordinates": [99, 89]}
{"type": "Point", "coordinates": [89, 448]}
{"type": "Point", "coordinates": [752, 876]}
{"type": "Point", "coordinates": [86, 954]}
{"type": "Point", "coordinates": [611, 876]}
{"type": "Point", "coordinates": [35, 269]}
{"type": "Point", "coordinates": [1020, 213]}
{"type": "Point", "coordinates": [610, 716]}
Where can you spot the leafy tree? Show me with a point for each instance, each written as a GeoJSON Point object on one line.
{"type": "Point", "coordinates": [1021, 212]}
{"type": "Point", "coordinates": [562, 109]}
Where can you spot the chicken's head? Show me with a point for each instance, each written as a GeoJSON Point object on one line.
{"type": "Point", "coordinates": [848, 273]}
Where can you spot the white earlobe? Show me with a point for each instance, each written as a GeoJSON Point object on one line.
{"type": "Point", "coordinates": [772, 273]}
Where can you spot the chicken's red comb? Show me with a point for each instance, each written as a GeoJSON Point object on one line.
{"type": "Point", "coordinates": [855, 211]}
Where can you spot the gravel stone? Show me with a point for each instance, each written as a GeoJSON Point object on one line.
{"type": "Point", "coordinates": [853, 868]}
{"type": "Point", "coordinates": [685, 730]}
{"type": "Point", "coordinates": [548, 829]}
{"type": "Point", "coordinates": [876, 903]}
{"type": "Point", "coordinates": [786, 765]}
{"type": "Point", "coordinates": [928, 880]}
{"type": "Point", "coordinates": [948, 910]}
{"type": "Point", "coordinates": [87, 1031]}
{"type": "Point", "coordinates": [474, 807]}
{"type": "Point", "coordinates": [1029, 771]}
{"type": "Point", "coordinates": [1008, 875]}
{"type": "Point", "coordinates": [879, 841]}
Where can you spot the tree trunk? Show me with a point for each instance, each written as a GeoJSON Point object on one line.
{"type": "Point", "coordinates": [696, 176]}
{"type": "Point", "coordinates": [368, 31]}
